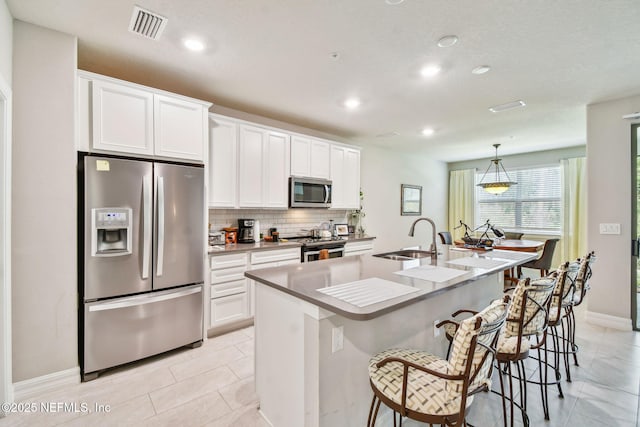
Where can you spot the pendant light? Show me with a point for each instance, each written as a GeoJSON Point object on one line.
{"type": "Point", "coordinates": [498, 186]}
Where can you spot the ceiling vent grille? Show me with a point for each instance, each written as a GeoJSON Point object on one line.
{"type": "Point", "coordinates": [146, 23]}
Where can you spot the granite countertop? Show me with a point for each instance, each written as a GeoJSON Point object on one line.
{"type": "Point", "coordinates": [304, 280]}
{"type": "Point", "coordinates": [259, 246]}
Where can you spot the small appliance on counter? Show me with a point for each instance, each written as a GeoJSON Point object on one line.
{"type": "Point", "coordinates": [231, 235]}
{"type": "Point", "coordinates": [216, 238]}
{"type": "Point", "coordinates": [245, 231]}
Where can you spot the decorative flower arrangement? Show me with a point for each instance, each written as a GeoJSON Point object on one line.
{"type": "Point", "coordinates": [355, 216]}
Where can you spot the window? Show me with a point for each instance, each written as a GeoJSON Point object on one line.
{"type": "Point", "coordinates": [533, 204]}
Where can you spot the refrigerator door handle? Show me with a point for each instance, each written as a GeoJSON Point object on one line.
{"type": "Point", "coordinates": [146, 226]}
{"type": "Point", "coordinates": [160, 266]}
{"type": "Point", "coordinates": [142, 300]}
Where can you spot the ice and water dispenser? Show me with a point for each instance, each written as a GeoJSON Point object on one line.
{"type": "Point", "coordinates": [111, 231]}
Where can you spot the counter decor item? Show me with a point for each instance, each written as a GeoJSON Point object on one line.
{"type": "Point", "coordinates": [231, 234]}
{"type": "Point", "coordinates": [355, 217]}
{"type": "Point", "coordinates": [342, 229]}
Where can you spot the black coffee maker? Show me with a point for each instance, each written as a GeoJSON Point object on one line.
{"type": "Point", "coordinates": [245, 231]}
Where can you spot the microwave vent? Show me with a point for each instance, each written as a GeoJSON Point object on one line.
{"type": "Point", "coordinates": [146, 23]}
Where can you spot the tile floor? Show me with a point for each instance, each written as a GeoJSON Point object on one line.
{"type": "Point", "coordinates": [213, 386]}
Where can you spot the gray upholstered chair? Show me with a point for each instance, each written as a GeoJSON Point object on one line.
{"type": "Point", "coordinates": [445, 238]}
{"type": "Point", "coordinates": [544, 262]}
{"type": "Point", "coordinates": [512, 235]}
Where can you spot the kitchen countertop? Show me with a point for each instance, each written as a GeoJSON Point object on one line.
{"type": "Point", "coordinates": [260, 246]}
{"type": "Point", "coordinates": [304, 280]}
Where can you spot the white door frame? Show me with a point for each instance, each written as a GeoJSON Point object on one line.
{"type": "Point", "coordinates": [6, 388]}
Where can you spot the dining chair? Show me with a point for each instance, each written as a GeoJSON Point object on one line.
{"type": "Point", "coordinates": [512, 235]}
{"type": "Point", "coordinates": [418, 385]}
{"type": "Point", "coordinates": [445, 238]}
{"type": "Point", "coordinates": [544, 262]}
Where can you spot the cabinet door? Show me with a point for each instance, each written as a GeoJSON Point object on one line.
{"type": "Point", "coordinates": [251, 167]}
{"type": "Point", "coordinates": [337, 177]}
{"type": "Point", "coordinates": [320, 159]}
{"type": "Point", "coordinates": [223, 170]}
{"type": "Point", "coordinates": [229, 309]}
{"type": "Point", "coordinates": [122, 118]}
{"type": "Point", "coordinates": [351, 176]}
{"type": "Point", "coordinates": [180, 128]}
{"type": "Point", "coordinates": [275, 172]}
{"type": "Point", "coordinates": [300, 156]}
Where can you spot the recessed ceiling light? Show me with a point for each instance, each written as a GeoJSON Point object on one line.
{"type": "Point", "coordinates": [193, 44]}
{"type": "Point", "coordinates": [428, 131]}
{"type": "Point", "coordinates": [393, 2]}
{"type": "Point", "coordinates": [447, 41]}
{"type": "Point", "coordinates": [430, 71]}
{"type": "Point", "coordinates": [352, 103]}
{"type": "Point", "coordinates": [507, 106]}
{"type": "Point", "coordinates": [481, 69]}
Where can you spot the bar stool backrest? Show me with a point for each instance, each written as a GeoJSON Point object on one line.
{"type": "Point", "coordinates": [561, 292]}
{"type": "Point", "coordinates": [482, 353]}
{"type": "Point", "coordinates": [582, 278]}
{"type": "Point", "coordinates": [528, 312]}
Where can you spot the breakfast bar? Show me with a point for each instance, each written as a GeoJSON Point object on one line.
{"type": "Point", "coordinates": [317, 324]}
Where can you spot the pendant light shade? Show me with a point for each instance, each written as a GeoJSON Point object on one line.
{"type": "Point", "coordinates": [499, 184]}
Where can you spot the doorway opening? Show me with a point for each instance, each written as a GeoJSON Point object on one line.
{"type": "Point", "coordinates": [635, 226]}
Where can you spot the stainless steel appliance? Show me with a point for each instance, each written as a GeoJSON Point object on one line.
{"type": "Point", "coordinates": [246, 231]}
{"type": "Point", "coordinates": [311, 248]}
{"type": "Point", "coordinates": [309, 193]}
{"type": "Point", "coordinates": [141, 259]}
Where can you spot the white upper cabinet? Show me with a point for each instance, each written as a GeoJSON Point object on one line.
{"type": "Point", "coordinates": [345, 176]}
{"type": "Point", "coordinates": [223, 163]}
{"type": "Point", "coordinates": [251, 167]}
{"type": "Point", "coordinates": [114, 115]}
{"type": "Point", "coordinates": [275, 175]}
{"type": "Point", "coordinates": [178, 128]}
{"type": "Point", "coordinates": [310, 157]}
{"type": "Point", "coordinates": [122, 118]}
{"type": "Point", "coordinates": [263, 168]}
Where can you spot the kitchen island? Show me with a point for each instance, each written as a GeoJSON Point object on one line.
{"type": "Point", "coordinates": [317, 324]}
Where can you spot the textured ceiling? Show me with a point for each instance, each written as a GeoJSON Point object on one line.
{"type": "Point", "coordinates": [273, 58]}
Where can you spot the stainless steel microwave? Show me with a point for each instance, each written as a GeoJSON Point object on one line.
{"type": "Point", "coordinates": [309, 192]}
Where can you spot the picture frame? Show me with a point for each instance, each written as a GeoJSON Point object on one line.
{"type": "Point", "coordinates": [342, 229]}
{"type": "Point", "coordinates": [410, 199]}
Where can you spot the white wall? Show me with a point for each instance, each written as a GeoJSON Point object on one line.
{"type": "Point", "coordinates": [44, 203]}
{"type": "Point", "coordinates": [383, 171]}
{"type": "Point", "coordinates": [609, 190]}
{"type": "Point", "coordinates": [6, 42]}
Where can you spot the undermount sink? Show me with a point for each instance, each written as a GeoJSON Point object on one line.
{"type": "Point", "coordinates": [405, 254]}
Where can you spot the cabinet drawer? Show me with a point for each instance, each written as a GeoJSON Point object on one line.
{"type": "Point", "coordinates": [230, 260]}
{"type": "Point", "coordinates": [358, 248]}
{"type": "Point", "coordinates": [229, 309]}
{"type": "Point", "coordinates": [229, 288]}
{"type": "Point", "coordinates": [227, 274]}
{"type": "Point", "coordinates": [262, 257]}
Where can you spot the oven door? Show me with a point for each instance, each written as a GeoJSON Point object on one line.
{"type": "Point", "coordinates": [314, 254]}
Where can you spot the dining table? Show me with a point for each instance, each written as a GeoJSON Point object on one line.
{"type": "Point", "coordinates": [510, 245]}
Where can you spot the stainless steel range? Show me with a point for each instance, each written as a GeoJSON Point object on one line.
{"type": "Point", "coordinates": [311, 247]}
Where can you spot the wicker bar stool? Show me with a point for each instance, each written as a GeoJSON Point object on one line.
{"type": "Point", "coordinates": [527, 317]}
{"type": "Point", "coordinates": [426, 388]}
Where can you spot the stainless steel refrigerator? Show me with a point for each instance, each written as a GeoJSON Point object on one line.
{"type": "Point", "coordinates": [141, 259]}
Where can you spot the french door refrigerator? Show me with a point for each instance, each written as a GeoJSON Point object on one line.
{"type": "Point", "coordinates": [141, 259]}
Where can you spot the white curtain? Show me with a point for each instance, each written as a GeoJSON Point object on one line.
{"type": "Point", "coordinates": [574, 230]}
{"type": "Point", "coordinates": [461, 200]}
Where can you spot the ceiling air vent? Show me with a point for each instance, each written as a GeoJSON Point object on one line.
{"type": "Point", "coordinates": [146, 23]}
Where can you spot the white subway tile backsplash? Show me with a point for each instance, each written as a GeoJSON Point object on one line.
{"type": "Point", "coordinates": [289, 222]}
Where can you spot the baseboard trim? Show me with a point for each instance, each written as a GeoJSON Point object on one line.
{"type": "Point", "coordinates": [26, 389]}
{"type": "Point", "coordinates": [608, 321]}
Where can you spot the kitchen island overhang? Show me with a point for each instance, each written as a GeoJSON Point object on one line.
{"type": "Point", "coordinates": [312, 349]}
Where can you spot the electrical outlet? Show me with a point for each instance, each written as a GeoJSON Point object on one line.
{"type": "Point", "coordinates": [337, 339]}
{"type": "Point", "coordinates": [436, 330]}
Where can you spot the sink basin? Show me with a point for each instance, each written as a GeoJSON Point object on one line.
{"type": "Point", "coordinates": [404, 255]}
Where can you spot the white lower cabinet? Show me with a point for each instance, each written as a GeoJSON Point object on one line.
{"type": "Point", "coordinates": [228, 289]}
{"type": "Point", "coordinates": [360, 247]}
{"type": "Point", "coordinates": [232, 294]}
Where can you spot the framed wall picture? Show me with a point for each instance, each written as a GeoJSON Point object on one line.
{"type": "Point", "coordinates": [411, 199]}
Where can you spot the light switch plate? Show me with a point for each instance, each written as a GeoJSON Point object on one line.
{"type": "Point", "coordinates": [609, 228]}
